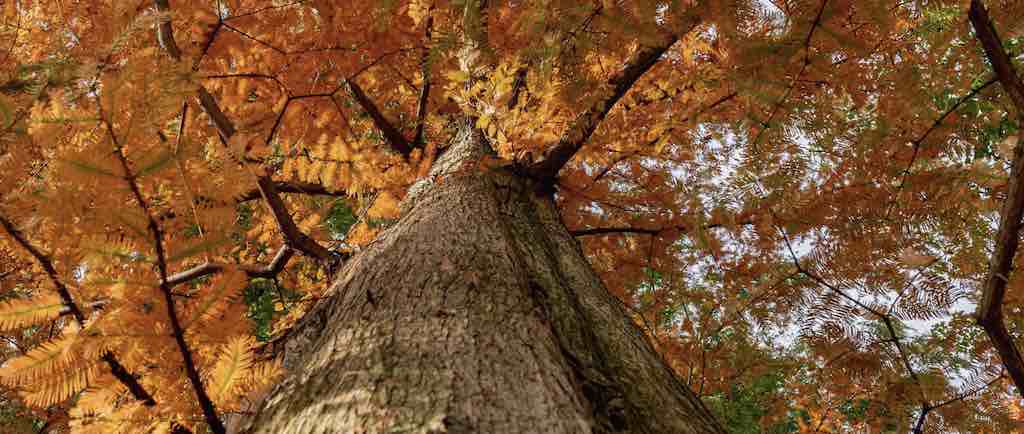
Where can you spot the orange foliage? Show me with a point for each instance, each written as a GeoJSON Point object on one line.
{"type": "Point", "coordinates": [788, 179]}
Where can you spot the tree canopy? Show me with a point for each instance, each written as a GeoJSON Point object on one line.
{"type": "Point", "coordinates": [810, 206]}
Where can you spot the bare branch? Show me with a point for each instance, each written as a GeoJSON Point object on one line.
{"type": "Point", "coordinates": [990, 309]}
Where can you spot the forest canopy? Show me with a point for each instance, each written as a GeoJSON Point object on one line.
{"type": "Point", "coordinates": [810, 207]}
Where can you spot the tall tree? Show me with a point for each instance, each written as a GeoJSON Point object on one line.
{"type": "Point", "coordinates": [510, 216]}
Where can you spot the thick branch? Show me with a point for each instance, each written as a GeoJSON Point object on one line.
{"type": "Point", "coordinates": [1001, 64]}
{"type": "Point", "coordinates": [164, 32]}
{"type": "Point", "coordinates": [421, 103]}
{"type": "Point", "coordinates": [269, 271]}
{"type": "Point", "coordinates": [586, 123]}
{"type": "Point", "coordinates": [224, 125]}
{"type": "Point", "coordinates": [293, 237]}
{"type": "Point", "coordinates": [391, 134]}
{"type": "Point", "coordinates": [990, 310]}
{"type": "Point", "coordinates": [293, 187]}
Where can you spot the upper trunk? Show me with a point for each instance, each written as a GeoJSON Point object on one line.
{"type": "Point", "coordinates": [476, 312]}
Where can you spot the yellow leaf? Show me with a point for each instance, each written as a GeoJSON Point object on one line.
{"type": "Point", "coordinates": [56, 389]}
{"type": "Point", "coordinates": [16, 314]}
{"type": "Point", "coordinates": [217, 295]}
{"type": "Point", "coordinates": [231, 369]}
{"type": "Point", "coordinates": [385, 206]}
{"type": "Point", "coordinates": [41, 361]}
{"type": "Point", "coordinates": [458, 76]}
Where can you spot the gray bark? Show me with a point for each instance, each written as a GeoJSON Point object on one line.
{"type": "Point", "coordinates": [476, 312]}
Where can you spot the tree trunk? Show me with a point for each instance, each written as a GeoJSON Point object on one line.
{"type": "Point", "coordinates": [476, 312]}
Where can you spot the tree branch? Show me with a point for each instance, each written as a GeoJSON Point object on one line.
{"type": "Point", "coordinates": [293, 237]}
{"type": "Point", "coordinates": [116, 368]}
{"type": "Point", "coordinates": [586, 123]}
{"type": "Point", "coordinates": [1001, 63]}
{"type": "Point", "coordinates": [990, 310]}
{"type": "Point", "coordinates": [421, 103]}
{"type": "Point", "coordinates": [646, 231]}
{"type": "Point", "coordinates": [276, 265]}
{"type": "Point", "coordinates": [935, 125]}
{"type": "Point", "coordinates": [224, 125]}
{"type": "Point", "coordinates": [796, 79]}
{"type": "Point", "coordinates": [919, 425]}
{"type": "Point", "coordinates": [269, 271]}
{"type": "Point", "coordinates": [164, 32]}
{"type": "Point", "coordinates": [391, 134]}
{"type": "Point", "coordinates": [293, 187]}
{"type": "Point", "coordinates": [209, 411]}
{"type": "Point", "coordinates": [886, 320]}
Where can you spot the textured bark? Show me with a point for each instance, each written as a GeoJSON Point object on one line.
{"type": "Point", "coordinates": [476, 312]}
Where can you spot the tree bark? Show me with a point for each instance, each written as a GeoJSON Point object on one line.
{"type": "Point", "coordinates": [476, 312]}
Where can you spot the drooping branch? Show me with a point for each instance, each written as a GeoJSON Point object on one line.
{"type": "Point", "coordinates": [116, 368]}
{"type": "Point", "coordinates": [586, 122]}
{"type": "Point", "coordinates": [191, 371]}
{"type": "Point", "coordinates": [990, 309]}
